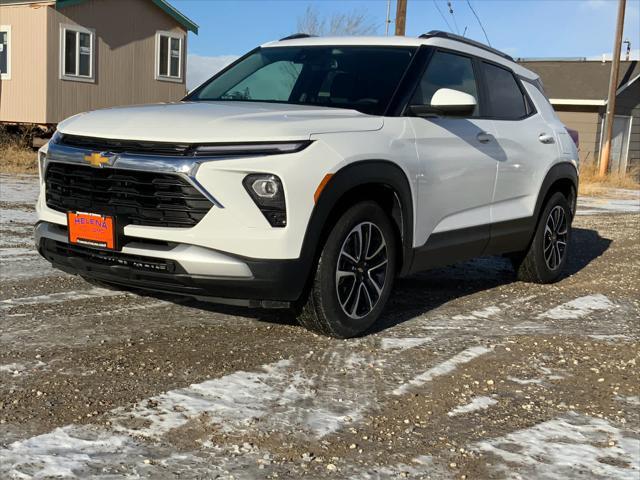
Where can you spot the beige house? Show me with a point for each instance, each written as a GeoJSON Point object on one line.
{"type": "Point", "coordinates": [59, 58]}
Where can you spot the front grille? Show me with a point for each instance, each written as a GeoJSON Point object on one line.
{"type": "Point", "coordinates": [133, 197]}
{"type": "Point", "coordinates": [126, 146]}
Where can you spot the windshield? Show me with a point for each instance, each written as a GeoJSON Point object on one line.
{"type": "Point", "coordinates": [359, 78]}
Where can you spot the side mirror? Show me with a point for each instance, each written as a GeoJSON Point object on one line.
{"type": "Point", "coordinates": [447, 102]}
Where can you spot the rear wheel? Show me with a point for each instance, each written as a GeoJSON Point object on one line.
{"type": "Point", "coordinates": [547, 254]}
{"type": "Point", "coordinates": [354, 276]}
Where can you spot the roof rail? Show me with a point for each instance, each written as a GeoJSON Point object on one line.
{"type": "Point", "coordinates": [468, 41]}
{"type": "Point", "coordinates": [296, 36]}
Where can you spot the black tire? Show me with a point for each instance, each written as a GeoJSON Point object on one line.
{"type": "Point", "coordinates": [547, 255]}
{"type": "Point", "coordinates": [329, 307]}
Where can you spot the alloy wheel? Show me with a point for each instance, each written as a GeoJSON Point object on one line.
{"type": "Point", "coordinates": [555, 237]}
{"type": "Point", "coordinates": [361, 270]}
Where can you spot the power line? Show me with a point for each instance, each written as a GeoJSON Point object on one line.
{"type": "Point", "coordinates": [455, 23]}
{"type": "Point", "coordinates": [479, 22]}
{"type": "Point", "coordinates": [442, 15]}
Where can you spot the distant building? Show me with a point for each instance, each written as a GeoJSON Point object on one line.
{"type": "Point", "coordinates": [59, 58]}
{"type": "Point", "coordinates": [578, 90]}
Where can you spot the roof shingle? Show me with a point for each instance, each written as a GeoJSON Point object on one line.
{"type": "Point", "coordinates": [584, 80]}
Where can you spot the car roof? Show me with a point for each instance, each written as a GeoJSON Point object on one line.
{"type": "Point", "coordinates": [397, 41]}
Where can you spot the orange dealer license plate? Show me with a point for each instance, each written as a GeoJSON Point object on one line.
{"type": "Point", "coordinates": [92, 230]}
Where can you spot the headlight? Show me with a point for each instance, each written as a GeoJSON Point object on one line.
{"type": "Point", "coordinates": [42, 158]}
{"type": "Point", "coordinates": [56, 137]}
{"type": "Point", "coordinates": [267, 193]}
{"type": "Point", "coordinates": [238, 149]}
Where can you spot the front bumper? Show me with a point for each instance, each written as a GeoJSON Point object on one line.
{"type": "Point", "coordinates": [180, 269]}
{"type": "Point", "coordinates": [234, 224]}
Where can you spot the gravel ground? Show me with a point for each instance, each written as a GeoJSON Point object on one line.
{"type": "Point", "coordinates": [471, 374]}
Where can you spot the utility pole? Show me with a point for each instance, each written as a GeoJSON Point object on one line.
{"type": "Point", "coordinates": [388, 21]}
{"type": "Point", "coordinates": [401, 16]}
{"type": "Point", "coordinates": [605, 152]}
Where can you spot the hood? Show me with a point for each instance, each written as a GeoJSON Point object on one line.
{"type": "Point", "coordinates": [199, 122]}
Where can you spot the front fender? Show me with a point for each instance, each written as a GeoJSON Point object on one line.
{"type": "Point", "coordinates": [351, 177]}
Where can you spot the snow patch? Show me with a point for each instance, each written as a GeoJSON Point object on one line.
{"type": "Point", "coordinates": [403, 343]}
{"type": "Point", "coordinates": [276, 395]}
{"type": "Point", "coordinates": [13, 368]}
{"type": "Point", "coordinates": [484, 314]}
{"type": "Point", "coordinates": [420, 466]}
{"type": "Point", "coordinates": [443, 368]}
{"type": "Point", "coordinates": [322, 422]}
{"type": "Point", "coordinates": [613, 337]}
{"type": "Point", "coordinates": [132, 308]}
{"type": "Point", "coordinates": [567, 447]}
{"type": "Point", "coordinates": [12, 215]}
{"type": "Point", "coordinates": [594, 205]}
{"type": "Point", "coordinates": [525, 381]}
{"type": "Point", "coordinates": [580, 307]}
{"type": "Point", "coordinates": [232, 402]}
{"type": "Point", "coordinates": [631, 400]}
{"type": "Point", "coordinates": [26, 266]}
{"type": "Point", "coordinates": [15, 254]}
{"type": "Point", "coordinates": [59, 297]}
{"type": "Point", "coordinates": [19, 189]}
{"type": "Point", "coordinates": [547, 374]}
{"type": "Point", "coordinates": [61, 453]}
{"type": "Point", "coordinates": [478, 403]}
{"type": "Point", "coordinates": [84, 452]}
{"type": "Point", "coordinates": [17, 369]}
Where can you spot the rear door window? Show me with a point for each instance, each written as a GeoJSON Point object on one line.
{"type": "Point", "coordinates": [505, 98]}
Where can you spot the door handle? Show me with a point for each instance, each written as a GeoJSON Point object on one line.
{"type": "Point", "coordinates": [484, 137]}
{"type": "Point", "coordinates": [546, 138]}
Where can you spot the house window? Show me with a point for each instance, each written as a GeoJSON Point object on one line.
{"type": "Point", "coordinates": [5, 52]}
{"type": "Point", "coordinates": [77, 53]}
{"type": "Point", "coordinates": [169, 54]}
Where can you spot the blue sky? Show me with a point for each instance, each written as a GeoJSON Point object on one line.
{"type": "Point", "coordinates": [522, 28]}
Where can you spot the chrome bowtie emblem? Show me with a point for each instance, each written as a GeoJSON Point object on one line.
{"type": "Point", "coordinates": [100, 159]}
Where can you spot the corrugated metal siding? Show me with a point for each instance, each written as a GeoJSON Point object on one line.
{"type": "Point", "coordinates": [628, 103]}
{"type": "Point", "coordinates": [587, 125]}
{"type": "Point", "coordinates": [23, 97]}
{"type": "Point", "coordinates": [125, 57]}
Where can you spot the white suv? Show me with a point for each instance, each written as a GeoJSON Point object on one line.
{"type": "Point", "coordinates": [312, 172]}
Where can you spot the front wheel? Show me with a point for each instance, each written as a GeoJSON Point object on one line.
{"type": "Point", "coordinates": [549, 249]}
{"type": "Point", "coordinates": [354, 275]}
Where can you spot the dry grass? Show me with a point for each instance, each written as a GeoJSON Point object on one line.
{"type": "Point", "coordinates": [17, 159]}
{"type": "Point", "coordinates": [592, 184]}
{"type": "Point", "coordinates": [16, 154]}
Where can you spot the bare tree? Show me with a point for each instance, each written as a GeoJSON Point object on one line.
{"type": "Point", "coordinates": [356, 22]}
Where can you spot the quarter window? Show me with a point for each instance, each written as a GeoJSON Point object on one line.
{"type": "Point", "coordinates": [77, 53]}
{"type": "Point", "coordinates": [5, 52]}
{"type": "Point", "coordinates": [506, 100]}
{"type": "Point", "coordinates": [447, 70]}
{"type": "Point", "coordinates": [169, 54]}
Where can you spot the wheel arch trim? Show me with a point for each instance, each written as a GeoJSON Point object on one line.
{"type": "Point", "coordinates": [557, 173]}
{"type": "Point", "coordinates": [349, 178]}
